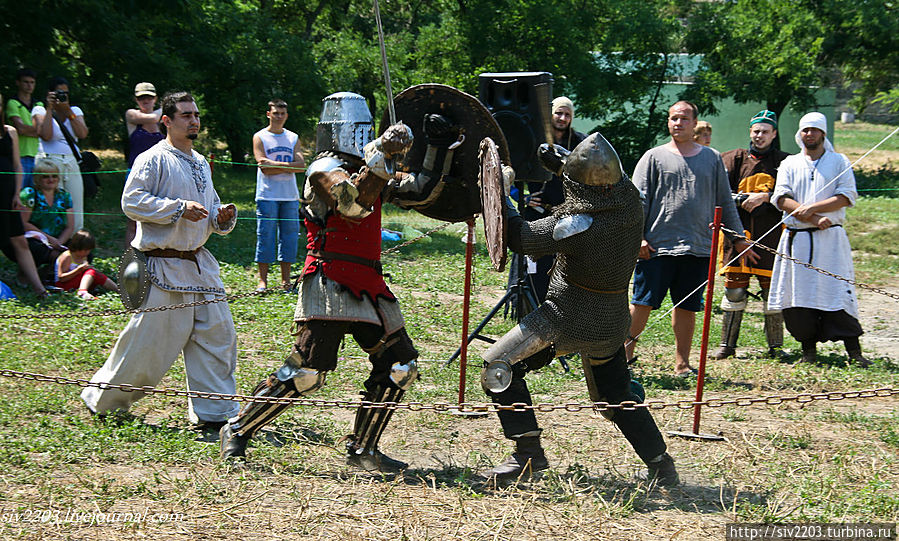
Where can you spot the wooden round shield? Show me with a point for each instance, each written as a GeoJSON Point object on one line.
{"type": "Point", "coordinates": [460, 200]}
{"type": "Point", "coordinates": [493, 199]}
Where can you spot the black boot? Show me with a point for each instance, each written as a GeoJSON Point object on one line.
{"type": "Point", "coordinates": [231, 444]}
{"type": "Point", "coordinates": [854, 350]}
{"type": "Point", "coordinates": [809, 352]}
{"type": "Point", "coordinates": [730, 332]}
{"type": "Point", "coordinates": [527, 459]}
{"type": "Point", "coordinates": [362, 446]}
{"type": "Point", "coordinates": [661, 470]}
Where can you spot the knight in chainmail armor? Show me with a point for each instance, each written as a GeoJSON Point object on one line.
{"type": "Point", "coordinates": [596, 236]}
{"type": "Point", "coordinates": [342, 288]}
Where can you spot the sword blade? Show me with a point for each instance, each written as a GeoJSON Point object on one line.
{"type": "Point", "coordinates": [390, 108]}
{"type": "Point", "coordinates": [541, 92]}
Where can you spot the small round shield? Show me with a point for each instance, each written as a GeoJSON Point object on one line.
{"type": "Point", "coordinates": [134, 280]}
{"type": "Point", "coordinates": [459, 200]}
{"type": "Point", "coordinates": [493, 194]}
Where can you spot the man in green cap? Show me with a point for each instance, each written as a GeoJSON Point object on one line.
{"type": "Point", "coordinates": [752, 173]}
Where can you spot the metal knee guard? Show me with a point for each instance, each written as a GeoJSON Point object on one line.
{"type": "Point", "coordinates": [735, 299]}
{"type": "Point", "coordinates": [290, 381]}
{"type": "Point", "coordinates": [370, 422]}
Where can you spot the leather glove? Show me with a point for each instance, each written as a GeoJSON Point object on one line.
{"type": "Point", "coordinates": [439, 130]}
{"type": "Point", "coordinates": [552, 157]}
{"type": "Point", "coordinates": [396, 140]}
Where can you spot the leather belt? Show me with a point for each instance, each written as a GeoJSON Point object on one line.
{"type": "Point", "coordinates": [190, 255]}
{"type": "Point", "coordinates": [328, 256]}
{"type": "Point", "coordinates": [602, 291]}
{"type": "Point", "coordinates": [811, 239]}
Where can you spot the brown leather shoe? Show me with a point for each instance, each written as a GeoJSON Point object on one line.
{"type": "Point", "coordinates": [724, 352]}
{"type": "Point", "coordinates": [375, 461]}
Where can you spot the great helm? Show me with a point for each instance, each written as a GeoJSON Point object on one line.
{"type": "Point", "coordinates": [345, 125]}
{"type": "Point", "coordinates": [593, 162]}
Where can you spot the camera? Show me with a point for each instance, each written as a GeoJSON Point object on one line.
{"type": "Point", "coordinates": [61, 96]}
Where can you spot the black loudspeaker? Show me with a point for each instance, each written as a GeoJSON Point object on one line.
{"type": "Point", "coordinates": [520, 103]}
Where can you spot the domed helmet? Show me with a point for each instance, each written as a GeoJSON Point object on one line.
{"type": "Point", "coordinates": [345, 124]}
{"type": "Point", "coordinates": [593, 162]}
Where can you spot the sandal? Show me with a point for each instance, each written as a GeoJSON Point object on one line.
{"type": "Point", "coordinates": [687, 373]}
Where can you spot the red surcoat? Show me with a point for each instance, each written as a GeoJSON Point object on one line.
{"type": "Point", "coordinates": [358, 239]}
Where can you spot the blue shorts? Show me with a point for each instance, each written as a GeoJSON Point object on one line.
{"type": "Point", "coordinates": [277, 225]}
{"type": "Point", "coordinates": [681, 275]}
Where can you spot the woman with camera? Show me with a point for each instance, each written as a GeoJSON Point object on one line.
{"type": "Point", "coordinates": [12, 231]}
{"type": "Point", "coordinates": [54, 121]}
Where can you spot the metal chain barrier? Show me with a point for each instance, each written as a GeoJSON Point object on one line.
{"type": "Point", "coordinates": [745, 401]}
{"type": "Point", "coordinates": [123, 311]}
{"type": "Point", "coordinates": [224, 298]}
{"type": "Point", "coordinates": [810, 266]}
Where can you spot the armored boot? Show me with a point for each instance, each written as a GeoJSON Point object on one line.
{"type": "Point", "coordinates": [854, 350]}
{"type": "Point", "coordinates": [232, 445]}
{"type": "Point", "coordinates": [809, 352]}
{"type": "Point", "coordinates": [362, 445]}
{"type": "Point", "coordinates": [661, 470]}
{"type": "Point", "coordinates": [774, 334]}
{"type": "Point", "coordinates": [730, 331]}
{"type": "Point", "coordinates": [527, 459]}
{"type": "Point", "coordinates": [235, 435]}
{"type": "Point", "coordinates": [290, 381]}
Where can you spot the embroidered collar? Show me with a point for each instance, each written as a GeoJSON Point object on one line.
{"type": "Point", "coordinates": [196, 164]}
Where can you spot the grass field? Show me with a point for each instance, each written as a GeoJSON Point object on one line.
{"type": "Point", "coordinates": [825, 461]}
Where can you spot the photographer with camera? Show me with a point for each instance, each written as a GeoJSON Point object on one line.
{"type": "Point", "coordinates": [56, 116]}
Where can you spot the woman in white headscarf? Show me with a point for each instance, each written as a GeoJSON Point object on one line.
{"type": "Point", "coordinates": [813, 189]}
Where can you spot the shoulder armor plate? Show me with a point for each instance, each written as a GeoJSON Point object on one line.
{"type": "Point", "coordinates": [571, 225]}
{"type": "Point", "coordinates": [324, 164]}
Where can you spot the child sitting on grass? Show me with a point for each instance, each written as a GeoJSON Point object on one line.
{"type": "Point", "coordinates": [73, 270]}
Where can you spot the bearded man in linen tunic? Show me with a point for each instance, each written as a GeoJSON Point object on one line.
{"type": "Point", "coordinates": [813, 189]}
{"type": "Point", "coordinates": [169, 194]}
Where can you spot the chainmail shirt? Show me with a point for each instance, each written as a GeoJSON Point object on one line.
{"type": "Point", "coordinates": [586, 309]}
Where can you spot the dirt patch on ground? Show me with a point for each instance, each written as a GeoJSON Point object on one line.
{"type": "Point", "coordinates": [879, 317]}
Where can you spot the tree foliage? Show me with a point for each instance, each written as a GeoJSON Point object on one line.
{"type": "Point", "coordinates": [611, 57]}
{"type": "Point", "coordinates": [776, 50]}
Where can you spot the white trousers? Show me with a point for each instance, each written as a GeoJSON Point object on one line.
{"type": "Point", "coordinates": [150, 343]}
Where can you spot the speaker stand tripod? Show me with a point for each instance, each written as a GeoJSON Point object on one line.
{"type": "Point", "coordinates": [522, 292]}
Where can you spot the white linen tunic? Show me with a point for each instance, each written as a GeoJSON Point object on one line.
{"type": "Point", "coordinates": [159, 186]}
{"type": "Point", "coordinates": [793, 285]}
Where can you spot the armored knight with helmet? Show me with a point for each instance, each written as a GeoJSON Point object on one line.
{"type": "Point", "coordinates": [595, 234]}
{"type": "Point", "coordinates": [342, 288]}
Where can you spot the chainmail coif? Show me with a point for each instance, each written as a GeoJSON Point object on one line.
{"type": "Point", "coordinates": [586, 309]}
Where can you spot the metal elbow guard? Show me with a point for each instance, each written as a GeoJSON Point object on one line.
{"type": "Point", "coordinates": [517, 344]}
{"type": "Point", "coordinates": [403, 375]}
